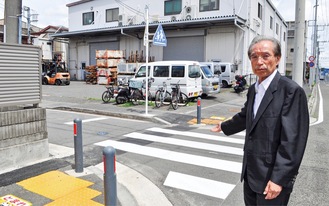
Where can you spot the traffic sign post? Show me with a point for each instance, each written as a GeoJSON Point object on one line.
{"type": "Point", "coordinates": [311, 58]}
{"type": "Point", "coordinates": [311, 64]}
{"type": "Point", "coordinates": [159, 38]}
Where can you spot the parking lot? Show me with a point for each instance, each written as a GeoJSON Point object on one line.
{"type": "Point", "coordinates": [87, 97]}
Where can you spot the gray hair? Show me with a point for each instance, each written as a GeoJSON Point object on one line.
{"type": "Point", "coordinates": [276, 44]}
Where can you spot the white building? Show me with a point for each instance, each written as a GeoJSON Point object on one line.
{"type": "Point", "coordinates": [202, 30]}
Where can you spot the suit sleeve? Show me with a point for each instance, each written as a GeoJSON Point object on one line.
{"type": "Point", "coordinates": [238, 122]}
{"type": "Point", "coordinates": [294, 133]}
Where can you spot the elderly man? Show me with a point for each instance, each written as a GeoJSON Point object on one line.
{"type": "Point", "coordinates": [276, 119]}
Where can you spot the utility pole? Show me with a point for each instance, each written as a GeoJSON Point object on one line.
{"type": "Point", "coordinates": [28, 17]}
{"type": "Point", "coordinates": [314, 71]}
{"type": "Point", "coordinates": [299, 46]}
{"type": "Point", "coordinates": [146, 44]}
{"type": "Point", "coordinates": [13, 9]}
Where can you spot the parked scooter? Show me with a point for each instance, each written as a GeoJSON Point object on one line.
{"type": "Point", "coordinates": [123, 93]}
{"type": "Point", "coordinates": [240, 84]}
{"type": "Point", "coordinates": [133, 92]}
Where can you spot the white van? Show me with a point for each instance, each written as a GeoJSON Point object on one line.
{"type": "Point", "coordinates": [210, 83]}
{"type": "Point", "coordinates": [225, 70]}
{"type": "Point", "coordinates": [186, 73]}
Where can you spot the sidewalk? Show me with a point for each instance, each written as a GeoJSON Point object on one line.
{"type": "Point", "coordinates": [90, 191]}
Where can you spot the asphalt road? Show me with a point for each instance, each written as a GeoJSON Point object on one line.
{"type": "Point", "coordinates": [173, 156]}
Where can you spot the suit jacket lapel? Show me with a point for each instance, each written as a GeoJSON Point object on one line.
{"type": "Point", "coordinates": [266, 99]}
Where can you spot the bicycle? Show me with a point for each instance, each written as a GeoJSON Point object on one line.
{"type": "Point", "coordinates": [161, 95]}
{"type": "Point", "coordinates": [109, 93]}
{"type": "Point", "coordinates": [178, 97]}
{"type": "Point", "coordinates": [136, 90]}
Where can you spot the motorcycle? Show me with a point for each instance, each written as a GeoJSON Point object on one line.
{"type": "Point", "coordinates": [133, 92]}
{"type": "Point", "coordinates": [240, 84]}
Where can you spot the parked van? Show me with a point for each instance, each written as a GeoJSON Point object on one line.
{"type": "Point", "coordinates": [210, 83]}
{"type": "Point", "coordinates": [186, 73]}
{"type": "Point", "coordinates": [225, 70]}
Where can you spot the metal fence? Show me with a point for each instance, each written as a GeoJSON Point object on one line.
{"type": "Point", "coordinates": [20, 75]}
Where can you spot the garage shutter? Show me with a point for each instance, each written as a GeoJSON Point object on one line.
{"type": "Point", "coordinates": [101, 46]}
{"type": "Point", "coordinates": [184, 48]}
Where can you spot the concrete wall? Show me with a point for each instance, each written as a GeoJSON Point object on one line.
{"type": "Point", "coordinates": [23, 137]}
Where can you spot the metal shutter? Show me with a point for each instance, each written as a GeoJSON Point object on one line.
{"type": "Point", "coordinates": [20, 75]}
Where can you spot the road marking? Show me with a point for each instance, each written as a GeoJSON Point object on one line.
{"type": "Point", "coordinates": [224, 165]}
{"type": "Point", "coordinates": [185, 143]}
{"type": "Point", "coordinates": [198, 135]}
{"type": "Point", "coordinates": [89, 120]}
{"type": "Point", "coordinates": [320, 113]}
{"type": "Point", "coordinates": [198, 185]}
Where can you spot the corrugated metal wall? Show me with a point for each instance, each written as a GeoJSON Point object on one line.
{"type": "Point", "coordinates": [20, 75]}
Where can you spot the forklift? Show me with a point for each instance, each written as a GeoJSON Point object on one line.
{"type": "Point", "coordinates": [55, 72]}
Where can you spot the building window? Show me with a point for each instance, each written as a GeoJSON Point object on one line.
{"type": "Point", "coordinates": [291, 33]}
{"type": "Point", "coordinates": [277, 29]}
{"type": "Point", "coordinates": [209, 5]}
{"type": "Point", "coordinates": [112, 15]}
{"type": "Point", "coordinates": [88, 18]}
{"type": "Point", "coordinates": [173, 7]}
{"type": "Point", "coordinates": [284, 36]}
{"type": "Point", "coordinates": [271, 23]}
{"type": "Point", "coordinates": [260, 11]}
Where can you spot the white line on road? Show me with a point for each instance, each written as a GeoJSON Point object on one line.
{"type": "Point", "coordinates": [320, 113]}
{"type": "Point", "coordinates": [185, 143]}
{"type": "Point", "coordinates": [198, 135]}
{"type": "Point", "coordinates": [198, 185]}
{"type": "Point", "coordinates": [89, 120]}
{"type": "Point", "coordinates": [175, 156]}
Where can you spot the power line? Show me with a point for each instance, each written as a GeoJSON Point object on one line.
{"type": "Point", "coordinates": [130, 8]}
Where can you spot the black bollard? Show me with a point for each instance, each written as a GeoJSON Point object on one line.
{"type": "Point", "coordinates": [78, 153]}
{"type": "Point", "coordinates": [110, 178]}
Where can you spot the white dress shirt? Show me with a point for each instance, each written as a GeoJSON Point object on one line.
{"type": "Point", "coordinates": [260, 91]}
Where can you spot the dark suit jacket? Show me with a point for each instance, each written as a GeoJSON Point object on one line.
{"type": "Point", "coordinates": [276, 138]}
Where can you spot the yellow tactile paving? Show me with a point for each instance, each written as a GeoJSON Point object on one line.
{"type": "Point", "coordinates": [212, 120]}
{"type": "Point", "coordinates": [79, 198]}
{"type": "Point", "coordinates": [61, 188]}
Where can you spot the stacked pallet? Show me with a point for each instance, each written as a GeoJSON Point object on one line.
{"type": "Point", "coordinates": [138, 56]}
{"type": "Point", "coordinates": [91, 74]}
{"type": "Point", "coordinates": [107, 62]}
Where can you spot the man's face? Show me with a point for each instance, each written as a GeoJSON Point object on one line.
{"type": "Point", "coordinates": [262, 59]}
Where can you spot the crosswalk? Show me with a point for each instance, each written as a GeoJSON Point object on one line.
{"type": "Point", "coordinates": [228, 155]}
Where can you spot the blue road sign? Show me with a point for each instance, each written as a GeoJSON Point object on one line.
{"type": "Point", "coordinates": [159, 38]}
{"type": "Point", "coordinates": [311, 64]}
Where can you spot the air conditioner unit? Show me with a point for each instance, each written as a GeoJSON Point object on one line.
{"type": "Point", "coordinates": [189, 12]}
{"type": "Point", "coordinates": [120, 19]}
{"type": "Point", "coordinates": [188, 9]}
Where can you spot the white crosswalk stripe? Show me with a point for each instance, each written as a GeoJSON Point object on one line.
{"type": "Point", "coordinates": [198, 135]}
{"type": "Point", "coordinates": [187, 182]}
{"type": "Point", "coordinates": [192, 144]}
{"type": "Point", "coordinates": [199, 185]}
{"type": "Point", "coordinates": [208, 162]}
